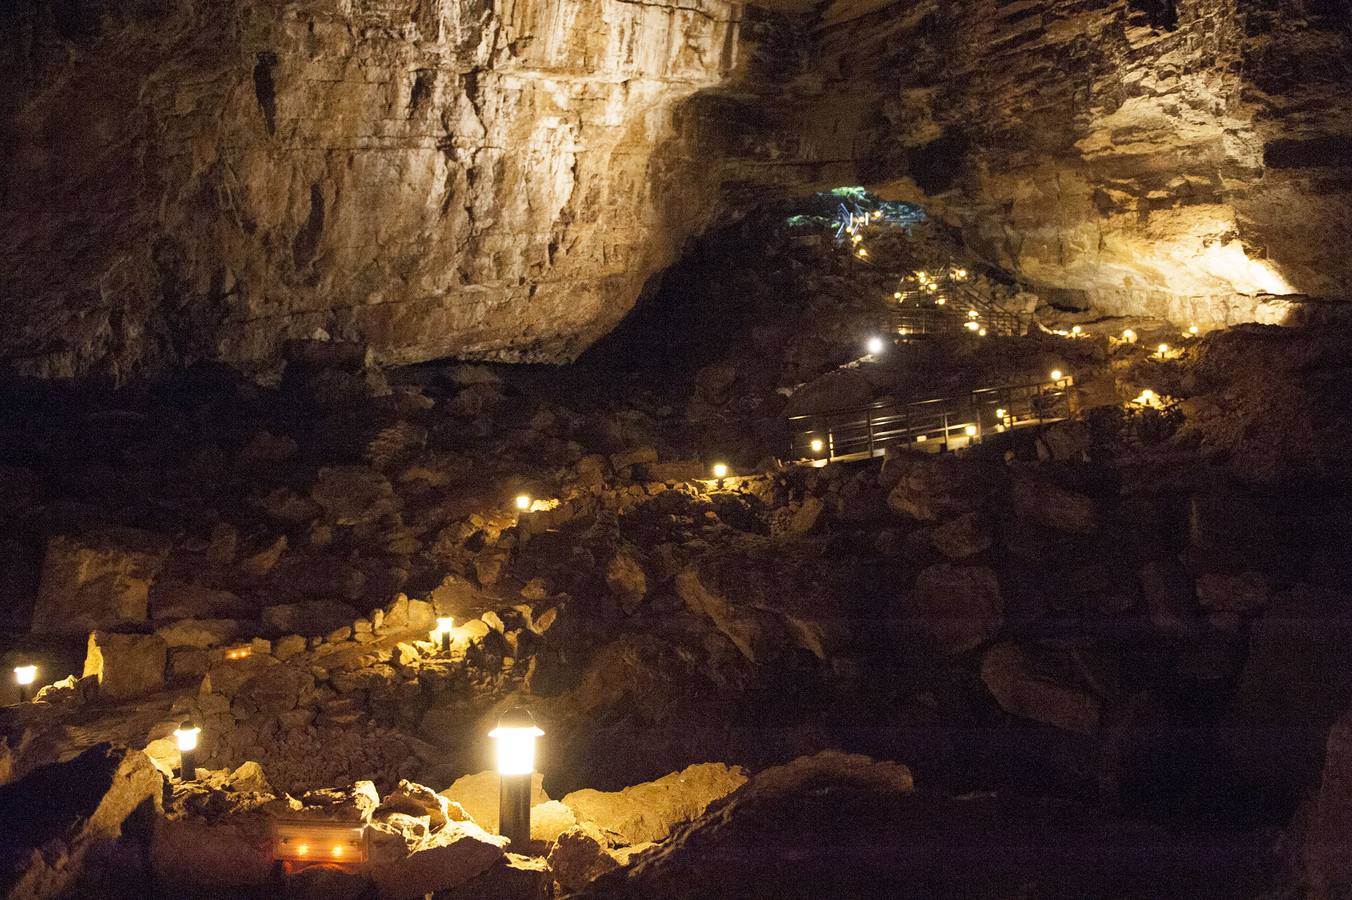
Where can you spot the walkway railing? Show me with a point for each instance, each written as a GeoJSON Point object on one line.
{"type": "Point", "coordinates": [942, 423]}
{"type": "Point", "coordinates": [948, 304]}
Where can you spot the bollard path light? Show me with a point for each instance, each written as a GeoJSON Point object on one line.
{"type": "Point", "coordinates": [875, 345]}
{"type": "Point", "coordinates": [24, 677]}
{"type": "Point", "coordinates": [442, 633]}
{"type": "Point", "coordinates": [516, 735]}
{"type": "Point", "coordinates": [523, 502]}
{"type": "Point", "coordinates": [186, 737]}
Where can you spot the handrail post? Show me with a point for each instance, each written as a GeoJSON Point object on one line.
{"type": "Point", "coordinates": [868, 417]}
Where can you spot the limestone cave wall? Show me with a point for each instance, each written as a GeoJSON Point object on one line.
{"type": "Point", "coordinates": [182, 179]}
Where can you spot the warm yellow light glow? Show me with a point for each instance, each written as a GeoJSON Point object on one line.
{"type": "Point", "coordinates": [720, 470]}
{"type": "Point", "coordinates": [1192, 329]}
{"type": "Point", "coordinates": [1000, 413]}
{"type": "Point", "coordinates": [25, 675]}
{"type": "Point", "coordinates": [862, 252]}
{"type": "Point", "coordinates": [970, 431]}
{"type": "Point", "coordinates": [972, 326]}
{"type": "Point", "coordinates": [972, 314]}
{"type": "Point", "coordinates": [932, 287]}
{"type": "Point", "coordinates": [516, 749]}
{"type": "Point", "coordinates": [1247, 276]}
{"type": "Point", "coordinates": [1076, 329]}
{"type": "Point", "coordinates": [337, 850]}
{"type": "Point", "coordinates": [960, 274]}
{"type": "Point", "coordinates": [875, 345]}
{"type": "Point", "coordinates": [982, 333]}
{"type": "Point", "coordinates": [897, 295]}
{"type": "Point", "coordinates": [1146, 398]}
{"type": "Point", "coordinates": [1162, 349]}
{"type": "Point", "coordinates": [303, 850]}
{"type": "Point", "coordinates": [1129, 336]}
{"type": "Point", "coordinates": [1057, 374]}
{"type": "Point", "coordinates": [921, 438]}
{"type": "Point", "coordinates": [522, 502]}
{"type": "Point", "coordinates": [939, 302]}
{"type": "Point", "coordinates": [877, 214]}
{"type": "Point", "coordinates": [817, 445]}
{"type": "Point", "coordinates": [244, 651]}
{"type": "Point", "coordinates": [186, 738]}
{"type": "Point", "coordinates": [857, 238]}
{"type": "Point", "coordinates": [445, 623]}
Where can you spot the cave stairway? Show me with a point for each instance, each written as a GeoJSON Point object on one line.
{"type": "Point", "coordinates": [948, 305]}
{"type": "Point", "coordinates": [938, 424]}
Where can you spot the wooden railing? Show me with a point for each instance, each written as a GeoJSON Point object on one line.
{"type": "Point", "coordinates": [944, 423]}
{"type": "Point", "coordinates": [949, 307]}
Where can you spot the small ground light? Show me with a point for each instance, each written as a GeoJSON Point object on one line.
{"type": "Point", "coordinates": [1076, 329]}
{"type": "Point", "coordinates": [972, 314]}
{"type": "Point", "coordinates": [875, 345]}
{"type": "Point", "coordinates": [981, 332]}
{"type": "Point", "coordinates": [970, 431]}
{"type": "Point", "coordinates": [1057, 374]}
{"type": "Point", "coordinates": [523, 502]}
{"type": "Point", "coordinates": [972, 326]}
{"type": "Point", "coordinates": [1129, 336]}
{"type": "Point", "coordinates": [1192, 329]}
{"type": "Point", "coordinates": [1000, 413]}
{"type": "Point", "coordinates": [186, 736]}
{"type": "Point", "coordinates": [442, 633]}
{"type": "Point", "coordinates": [896, 295]}
{"type": "Point", "coordinates": [24, 677]}
{"type": "Point", "coordinates": [1162, 349]}
{"type": "Point", "coordinates": [515, 735]}
{"type": "Point", "coordinates": [817, 445]}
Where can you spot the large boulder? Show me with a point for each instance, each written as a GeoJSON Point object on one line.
{"type": "Point", "coordinates": [838, 390]}
{"type": "Point", "coordinates": [649, 811]}
{"type": "Point", "coordinates": [97, 580]}
{"type": "Point", "coordinates": [1326, 852]}
{"type": "Point", "coordinates": [446, 859]}
{"type": "Point", "coordinates": [952, 609]}
{"type": "Point", "coordinates": [1049, 505]}
{"type": "Point", "coordinates": [1022, 691]}
{"type": "Point", "coordinates": [126, 665]}
{"type": "Point", "coordinates": [59, 820]}
{"type": "Point", "coordinates": [514, 877]}
{"type": "Point", "coordinates": [933, 488]}
{"type": "Point", "coordinates": [353, 495]}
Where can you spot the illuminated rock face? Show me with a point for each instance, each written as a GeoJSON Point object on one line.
{"type": "Point", "coordinates": [1168, 158]}
{"type": "Point", "coordinates": [194, 179]}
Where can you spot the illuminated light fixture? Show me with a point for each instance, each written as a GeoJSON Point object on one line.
{"type": "Point", "coordinates": [960, 274]}
{"type": "Point", "coordinates": [932, 287]}
{"type": "Point", "coordinates": [1146, 398]}
{"type": "Point", "coordinates": [877, 214]}
{"type": "Point", "coordinates": [516, 735]}
{"type": "Point", "coordinates": [972, 314]}
{"type": "Point", "coordinates": [304, 843]}
{"type": "Point", "coordinates": [972, 326]}
{"type": "Point", "coordinates": [1129, 336]}
{"type": "Point", "coordinates": [442, 633]}
{"type": "Point", "coordinates": [243, 651]}
{"type": "Point", "coordinates": [862, 252]}
{"type": "Point", "coordinates": [897, 295]}
{"type": "Point", "coordinates": [1000, 413]}
{"type": "Point", "coordinates": [939, 302]}
{"type": "Point", "coordinates": [1057, 374]}
{"type": "Point", "coordinates": [817, 445]}
{"type": "Point", "coordinates": [857, 238]}
{"type": "Point", "coordinates": [981, 333]}
{"type": "Point", "coordinates": [720, 470]}
{"type": "Point", "coordinates": [875, 346]}
{"type": "Point", "coordinates": [1163, 350]}
{"type": "Point", "coordinates": [186, 736]}
{"type": "Point", "coordinates": [24, 676]}
{"type": "Point", "coordinates": [1076, 330]}
{"type": "Point", "coordinates": [921, 438]}
{"type": "Point", "coordinates": [1192, 329]}
{"type": "Point", "coordinates": [523, 502]}
{"type": "Point", "coordinates": [970, 431]}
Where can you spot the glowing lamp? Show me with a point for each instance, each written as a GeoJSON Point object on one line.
{"type": "Point", "coordinates": [856, 238]}
{"type": "Point", "coordinates": [1076, 330]}
{"type": "Point", "coordinates": [243, 651]}
{"type": "Point", "coordinates": [875, 345]}
{"type": "Point", "coordinates": [1163, 349]}
{"type": "Point", "coordinates": [972, 326]}
{"type": "Point", "coordinates": [972, 314]}
{"type": "Point", "coordinates": [862, 252]}
{"type": "Point", "coordinates": [877, 214]}
{"type": "Point", "coordinates": [1057, 374]}
{"type": "Point", "coordinates": [1129, 336]}
{"type": "Point", "coordinates": [970, 431]}
{"type": "Point", "coordinates": [939, 302]}
{"type": "Point", "coordinates": [24, 676]}
{"type": "Point", "coordinates": [921, 438]}
{"type": "Point", "coordinates": [523, 502]}
{"type": "Point", "coordinates": [720, 470]}
{"type": "Point", "coordinates": [300, 844]}
{"type": "Point", "coordinates": [442, 633]}
{"type": "Point", "coordinates": [515, 735]}
{"type": "Point", "coordinates": [1192, 329]}
{"type": "Point", "coordinates": [960, 274]}
{"type": "Point", "coordinates": [817, 445]}
{"type": "Point", "coordinates": [186, 736]}
{"type": "Point", "coordinates": [1000, 413]}
{"type": "Point", "coordinates": [981, 332]}
{"type": "Point", "coordinates": [897, 295]}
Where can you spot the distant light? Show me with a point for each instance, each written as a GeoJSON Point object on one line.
{"type": "Point", "coordinates": [1163, 349]}
{"type": "Point", "coordinates": [960, 274]}
{"type": "Point", "coordinates": [303, 850]}
{"type": "Point", "coordinates": [25, 675]}
{"type": "Point", "coordinates": [897, 295]}
{"type": "Point", "coordinates": [877, 214]}
{"type": "Point", "coordinates": [970, 431]}
{"type": "Point", "coordinates": [862, 252]}
{"type": "Point", "coordinates": [875, 345]}
{"type": "Point", "coordinates": [1147, 397]}
{"type": "Point", "coordinates": [1057, 375]}
{"type": "Point", "coordinates": [972, 326]}
{"type": "Point", "coordinates": [982, 332]}
{"type": "Point", "coordinates": [972, 314]}
{"type": "Point", "coordinates": [1000, 413]}
{"type": "Point", "coordinates": [243, 651]}
{"type": "Point", "coordinates": [522, 501]}
{"type": "Point", "coordinates": [442, 633]}
{"type": "Point", "coordinates": [337, 850]}
{"type": "Point", "coordinates": [1076, 329]}
{"type": "Point", "coordinates": [857, 238]}
{"type": "Point", "coordinates": [939, 302]}
{"type": "Point", "coordinates": [921, 438]}
{"type": "Point", "coordinates": [720, 470]}
{"type": "Point", "coordinates": [817, 445]}
{"type": "Point", "coordinates": [1192, 329]}
{"type": "Point", "coordinates": [1129, 336]}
